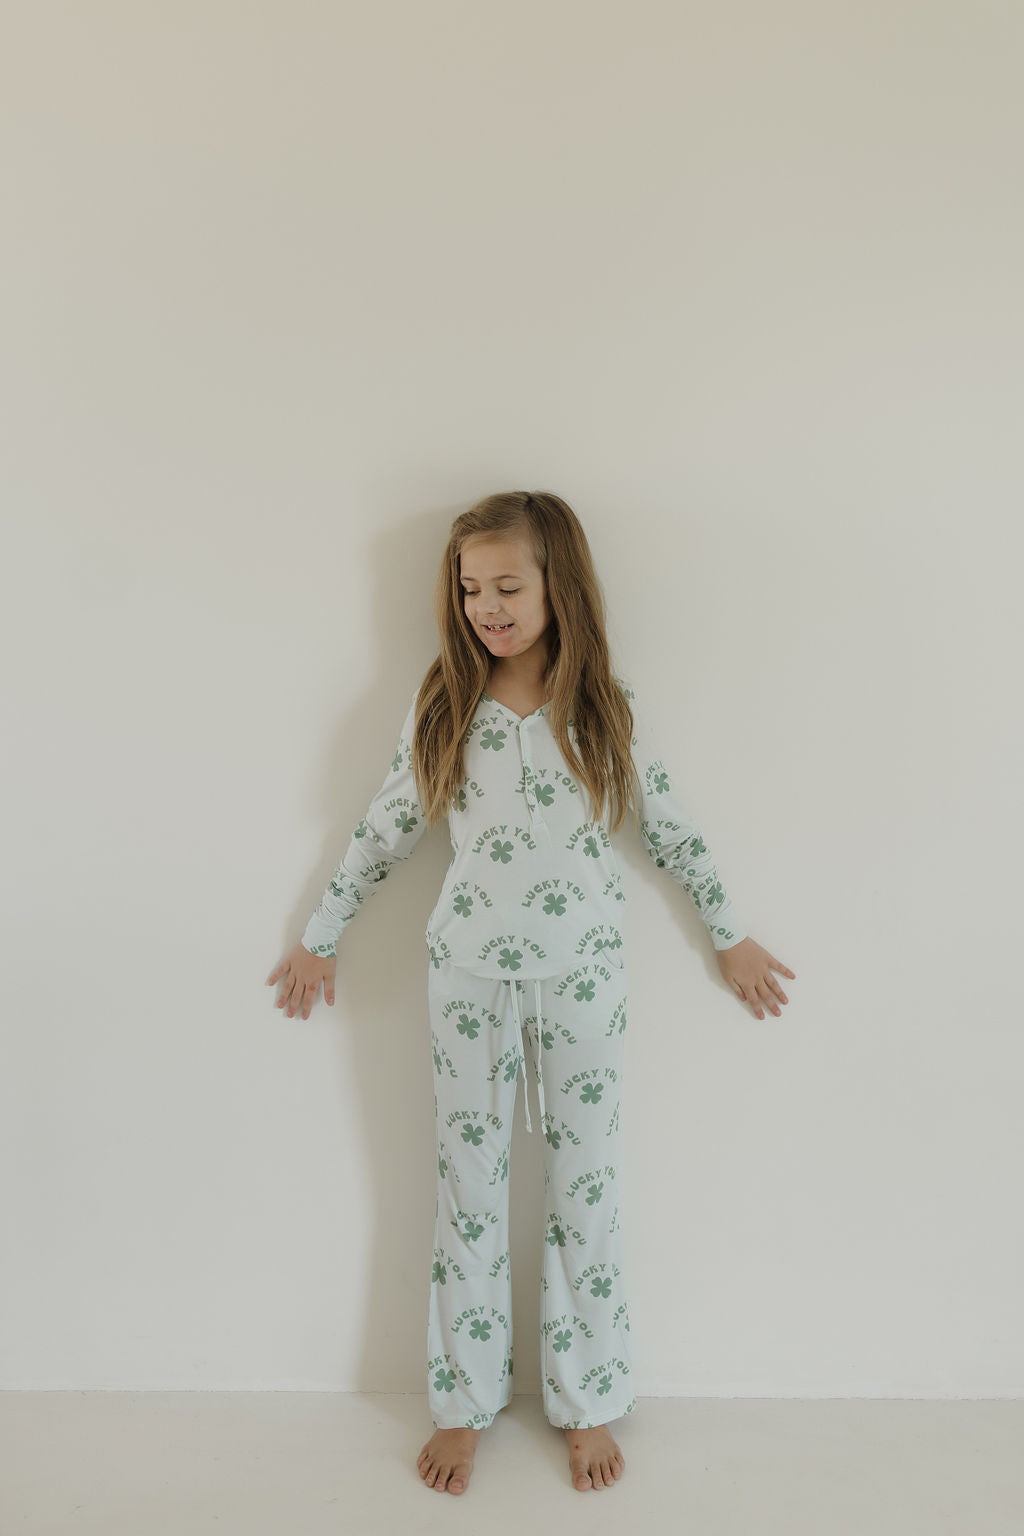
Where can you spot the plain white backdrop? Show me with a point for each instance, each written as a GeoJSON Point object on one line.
{"type": "Point", "coordinates": [287, 287]}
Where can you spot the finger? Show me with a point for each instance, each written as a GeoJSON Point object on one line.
{"type": "Point", "coordinates": [776, 988]}
{"type": "Point", "coordinates": [778, 966]}
{"type": "Point", "coordinates": [764, 992]}
{"type": "Point", "coordinates": [312, 987]}
{"type": "Point", "coordinates": [275, 973]}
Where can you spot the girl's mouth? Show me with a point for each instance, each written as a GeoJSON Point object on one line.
{"type": "Point", "coordinates": [497, 629]}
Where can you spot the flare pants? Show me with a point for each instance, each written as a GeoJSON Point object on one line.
{"type": "Point", "coordinates": [575, 1024]}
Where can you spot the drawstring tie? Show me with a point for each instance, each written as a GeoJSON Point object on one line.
{"type": "Point", "coordinates": [513, 986]}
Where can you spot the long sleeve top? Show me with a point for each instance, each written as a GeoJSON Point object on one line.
{"type": "Point", "coordinates": [532, 888]}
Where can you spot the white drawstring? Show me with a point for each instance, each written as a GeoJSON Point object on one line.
{"type": "Point", "coordinates": [513, 986]}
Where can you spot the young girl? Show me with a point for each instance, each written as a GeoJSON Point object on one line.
{"type": "Point", "coordinates": [522, 735]}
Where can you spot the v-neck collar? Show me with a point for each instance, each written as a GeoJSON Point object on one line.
{"type": "Point", "coordinates": [511, 712]}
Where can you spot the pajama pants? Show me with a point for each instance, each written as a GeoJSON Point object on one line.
{"type": "Point", "coordinates": [576, 1026]}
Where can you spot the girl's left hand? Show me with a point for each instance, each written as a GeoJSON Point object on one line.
{"type": "Point", "coordinates": [747, 967]}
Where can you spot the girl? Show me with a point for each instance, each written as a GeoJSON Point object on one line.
{"type": "Point", "coordinates": [521, 734]}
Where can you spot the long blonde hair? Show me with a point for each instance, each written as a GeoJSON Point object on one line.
{"type": "Point", "coordinates": [578, 678]}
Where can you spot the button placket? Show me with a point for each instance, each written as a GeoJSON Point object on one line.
{"type": "Point", "coordinates": [537, 822]}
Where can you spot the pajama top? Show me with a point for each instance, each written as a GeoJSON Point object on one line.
{"type": "Point", "coordinates": [533, 888]}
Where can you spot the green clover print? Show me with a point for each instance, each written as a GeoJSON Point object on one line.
{"type": "Point", "coordinates": [591, 1093]}
{"type": "Point", "coordinates": [501, 851]}
{"type": "Point", "coordinates": [473, 1133]}
{"type": "Point", "coordinates": [440, 1273]}
{"type": "Point", "coordinates": [697, 845]}
{"type": "Point", "coordinates": [545, 793]}
{"type": "Point", "coordinates": [584, 992]}
{"type": "Point", "coordinates": [460, 800]}
{"type": "Point", "coordinates": [554, 1138]}
{"type": "Point", "coordinates": [590, 848]}
{"type": "Point", "coordinates": [563, 1338]}
{"type": "Point", "coordinates": [362, 828]}
{"type": "Point", "coordinates": [547, 1039]}
{"type": "Point", "coordinates": [715, 894]}
{"type": "Point", "coordinates": [554, 905]}
{"type": "Point", "coordinates": [605, 1386]}
{"type": "Point", "coordinates": [556, 1237]}
{"type": "Point", "coordinates": [600, 1288]}
{"type": "Point", "coordinates": [406, 822]}
{"type": "Point", "coordinates": [510, 959]}
{"type": "Point", "coordinates": [478, 1329]}
{"type": "Point", "coordinates": [594, 1192]}
{"type": "Point", "coordinates": [511, 1068]}
{"type": "Point", "coordinates": [661, 783]}
{"type": "Point", "coordinates": [463, 905]}
{"type": "Point", "coordinates": [467, 1026]}
{"type": "Point", "coordinates": [495, 739]}
{"type": "Point", "coordinates": [442, 1166]}
{"type": "Point", "coordinates": [473, 1230]}
{"type": "Point", "coordinates": [444, 1381]}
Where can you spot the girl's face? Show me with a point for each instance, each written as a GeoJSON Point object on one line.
{"type": "Point", "coordinates": [505, 595]}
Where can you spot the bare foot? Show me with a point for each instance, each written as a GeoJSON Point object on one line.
{"type": "Point", "coordinates": [447, 1459]}
{"type": "Point", "coordinates": [595, 1461]}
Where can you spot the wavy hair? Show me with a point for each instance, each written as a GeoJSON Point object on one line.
{"type": "Point", "coordinates": [578, 680]}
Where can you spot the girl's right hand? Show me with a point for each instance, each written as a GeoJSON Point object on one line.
{"type": "Point", "coordinates": [301, 975]}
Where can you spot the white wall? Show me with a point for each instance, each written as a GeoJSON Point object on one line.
{"type": "Point", "coordinates": [286, 287]}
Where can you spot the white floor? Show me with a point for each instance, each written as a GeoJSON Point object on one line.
{"type": "Point", "coordinates": [301, 1463]}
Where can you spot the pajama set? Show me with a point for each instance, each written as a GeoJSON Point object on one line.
{"type": "Point", "coordinates": [525, 944]}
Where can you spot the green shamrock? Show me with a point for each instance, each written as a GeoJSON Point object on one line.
{"type": "Point", "coordinates": [590, 848]}
{"type": "Point", "coordinates": [715, 894]}
{"type": "Point", "coordinates": [442, 1166]}
{"type": "Point", "coordinates": [547, 1039]}
{"type": "Point", "coordinates": [501, 851]}
{"type": "Point", "coordinates": [584, 992]}
{"type": "Point", "coordinates": [444, 1381]}
{"type": "Point", "coordinates": [554, 1138]}
{"type": "Point", "coordinates": [406, 822]}
{"type": "Point", "coordinates": [463, 905]}
{"type": "Point", "coordinates": [697, 845]}
{"type": "Point", "coordinates": [437, 1059]}
{"type": "Point", "coordinates": [594, 1192]}
{"type": "Point", "coordinates": [546, 794]}
{"type": "Point", "coordinates": [661, 783]}
{"type": "Point", "coordinates": [606, 1384]}
{"type": "Point", "coordinates": [460, 800]}
{"type": "Point", "coordinates": [600, 1288]}
{"type": "Point", "coordinates": [468, 1026]}
{"type": "Point", "coordinates": [511, 959]}
{"type": "Point", "coordinates": [554, 905]}
{"type": "Point", "coordinates": [440, 1273]}
{"type": "Point", "coordinates": [473, 1133]}
{"type": "Point", "coordinates": [362, 828]}
{"type": "Point", "coordinates": [591, 1093]}
{"type": "Point", "coordinates": [473, 1231]}
{"type": "Point", "coordinates": [556, 1237]}
{"type": "Point", "coordinates": [563, 1338]}
{"type": "Point", "coordinates": [396, 761]}
{"type": "Point", "coordinates": [495, 739]}
{"type": "Point", "coordinates": [478, 1329]}
{"type": "Point", "coordinates": [511, 1068]}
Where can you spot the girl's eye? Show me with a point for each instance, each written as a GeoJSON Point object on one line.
{"type": "Point", "coordinates": [510, 592]}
